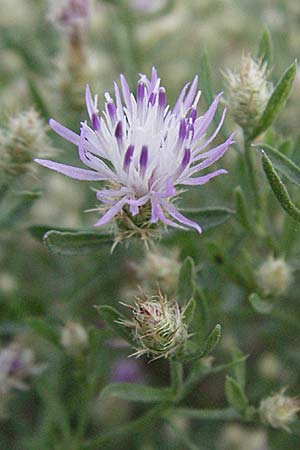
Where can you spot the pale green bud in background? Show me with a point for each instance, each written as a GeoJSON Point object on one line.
{"type": "Point", "coordinates": [279, 410]}
{"type": "Point", "coordinates": [248, 92]}
{"type": "Point", "coordinates": [274, 276]}
{"type": "Point", "coordinates": [74, 338]}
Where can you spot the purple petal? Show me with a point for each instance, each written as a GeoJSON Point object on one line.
{"type": "Point", "coordinates": [212, 156]}
{"type": "Point", "coordinates": [162, 99]}
{"type": "Point", "coordinates": [73, 172]}
{"type": "Point", "coordinates": [203, 122]}
{"type": "Point", "coordinates": [178, 216]}
{"type": "Point", "coordinates": [95, 122]}
{"type": "Point", "coordinates": [128, 157]}
{"type": "Point", "coordinates": [212, 137]}
{"type": "Point", "coordinates": [160, 214]}
{"type": "Point", "coordinates": [191, 94]}
{"type": "Point", "coordinates": [126, 92]}
{"type": "Point", "coordinates": [64, 132]}
{"type": "Point", "coordinates": [204, 179]}
{"type": "Point", "coordinates": [143, 160]}
{"type": "Point", "coordinates": [111, 212]}
{"type": "Point", "coordinates": [89, 102]}
{"type": "Point", "coordinates": [179, 101]}
{"type": "Point", "coordinates": [153, 81]}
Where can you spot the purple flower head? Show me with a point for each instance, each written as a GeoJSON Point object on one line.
{"type": "Point", "coordinates": [144, 150]}
{"type": "Point", "coordinates": [71, 15]}
{"type": "Point", "coordinates": [126, 371]}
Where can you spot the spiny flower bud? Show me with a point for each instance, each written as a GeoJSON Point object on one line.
{"type": "Point", "coordinates": [248, 91]}
{"type": "Point", "coordinates": [74, 338]}
{"type": "Point", "coordinates": [274, 276]}
{"type": "Point", "coordinates": [21, 141]}
{"type": "Point", "coordinates": [279, 410]}
{"type": "Point", "coordinates": [158, 327]}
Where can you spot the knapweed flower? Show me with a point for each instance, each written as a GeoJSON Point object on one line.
{"type": "Point", "coordinates": [279, 411]}
{"type": "Point", "coordinates": [274, 276]}
{"type": "Point", "coordinates": [23, 138]}
{"type": "Point", "coordinates": [248, 91]}
{"type": "Point", "coordinates": [158, 327]}
{"type": "Point", "coordinates": [71, 17]}
{"type": "Point", "coordinates": [16, 364]}
{"type": "Point", "coordinates": [144, 151]}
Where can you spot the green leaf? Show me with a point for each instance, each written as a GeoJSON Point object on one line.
{"type": "Point", "coordinates": [279, 189]}
{"type": "Point", "coordinates": [276, 101]}
{"type": "Point", "coordinates": [235, 395]}
{"type": "Point", "coordinates": [21, 202]}
{"type": "Point", "coordinates": [189, 311]}
{"type": "Point", "coordinates": [242, 210]}
{"type": "Point", "coordinates": [111, 317]}
{"type": "Point", "coordinates": [137, 392]}
{"type": "Point", "coordinates": [201, 320]}
{"type": "Point", "coordinates": [209, 217]}
{"type": "Point", "coordinates": [39, 231]}
{"type": "Point", "coordinates": [37, 98]}
{"type": "Point", "coordinates": [78, 243]}
{"type": "Point", "coordinates": [282, 163]}
{"type": "Point", "coordinates": [239, 369]}
{"type": "Point", "coordinates": [186, 281]}
{"type": "Point", "coordinates": [209, 345]}
{"type": "Point", "coordinates": [44, 329]}
{"type": "Point", "coordinates": [205, 77]}
{"type": "Point", "coordinates": [265, 49]}
{"type": "Point", "coordinates": [259, 305]}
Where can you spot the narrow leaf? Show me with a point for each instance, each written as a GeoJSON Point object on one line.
{"type": "Point", "coordinates": [279, 189]}
{"type": "Point", "coordinates": [189, 311]}
{"type": "Point", "coordinates": [235, 395]}
{"type": "Point", "coordinates": [282, 163]}
{"type": "Point", "coordinates": [186, 281]}
{"type": "Point", "coordinates": [205, 77]}
{"type": "Point", "coordinates": [276, 101]}
{"type": "Point", "coordinates": [78, 243]}
{"type": "Point", "coordinates": [37, 98]}
{"type": "Point", "coordinates": [259, 305]}
{"type": "Point", "coordinates": [39, 231]}
{"type": "Point", "coordinates": [137, 392]}
{"type": "Point", "coordinates": [44, 329]}
{"type": "Point", "coordinates": [241, 209]}
{"type": "Point", "coordinates": [239, 369]}
{"type": "Point", "coordinates": [209, 217]}
{"type": "Point", "coordinates": [265, 49]}
{"type": "Point", "coordinates": [111, 317]}
{"type": "Point", "coordinates": [201, 319]}
{"type": "Point", "coordinates": [209, 345]}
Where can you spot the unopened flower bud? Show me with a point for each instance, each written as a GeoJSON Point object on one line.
{"type": "Point", "coordinates": [274, 276]}
{"type": "Point", "coordinates": [248, 92]}
{"type": "Point", "coordinates": [22, 140]}
{"type": "Point", "coordinates": [70, 17]}
{"type": "Point", "coordinates": [74, 338]}
{"type": "Point", "coordinates": [279, 411]}
{"type": "Point", "coordinates": [158, 327]}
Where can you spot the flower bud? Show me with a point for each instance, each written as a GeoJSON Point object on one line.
{"type": "Point", "coordinates": [74, 338]}
{"type": "Point", "coordinates": [158, 327]}
{"type": "Point", "coordinates": [279, 410]}
{"type": "Point", "coordinates": [21, 141]}
{"type": "Point", "coordinates": [248, 92]}
{"type": "Point", "coordinates": [274, 276]}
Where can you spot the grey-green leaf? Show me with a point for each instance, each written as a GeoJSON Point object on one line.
{"type": "Point", "coordinates": [111, 317]}
{"type": "Point", "coordinates": [259, 305]}
{"type": "Point", "coordinates": [209, 217]}
{"type": "Point", "coordinates": [137, 392]}
{"type": "Point", "coordinates": [265, 49]}
{"type": "Point", "coordinates": [78, 243]}
{"type": "Point", "coordinates": [189, 311]}
{"type": "Point", "coordinates": [201, 321]}
{"type": "Point", "coordinates": [235, 395]}
{"type": "Point", "coordinates": [276, 101]}
{"type": "Point", "coordinates": [44, 329]}
{"type": "Point", "coordinates": [186, 281]}
{"type": "Point", "coordinates": [282, 163]}
{"type": "Point", "coordinates": [279, 189]}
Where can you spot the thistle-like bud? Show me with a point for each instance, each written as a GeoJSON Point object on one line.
{"type": "Point", "coordinates": [279, 411]}
{"type": "Point", "coordinates": [21, 141]}
{"type": "Point", "coordinates": [274, 276]}
{"type": "Point", "coordinates": [158, 327]}
{"type": "Point", "coordinates": [70, 17]}
{"type": "Point", "coordinates": [74, 338]}
{"type": "Point", "coordinates": [248, 92]}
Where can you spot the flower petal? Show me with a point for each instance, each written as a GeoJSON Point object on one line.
{"type": "Point", "coordinates": [111, 212]}
{"type": "Point", "coordinates": [73, 172]}
{"type": "Point", "coordinates": [64, 132]}
{"type": "Point", "coordinates": [204, 179]}
{"type": "Point", "coordinates": [178, 216]}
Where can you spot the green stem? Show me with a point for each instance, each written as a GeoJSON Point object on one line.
{"type": "Point", "coordinates": [176, 374]}
{"type": "Point", "coordinates": [252, 176]}
{"type": "Point", "coordinates": [210, 414]}
{"type": "Point", "coordinates": [183, 437]}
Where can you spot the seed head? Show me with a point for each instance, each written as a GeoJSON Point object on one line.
{"type": "Point", "coordinates": [279, 410]}
{"type": "Point", "coordinates": [248, 92]}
